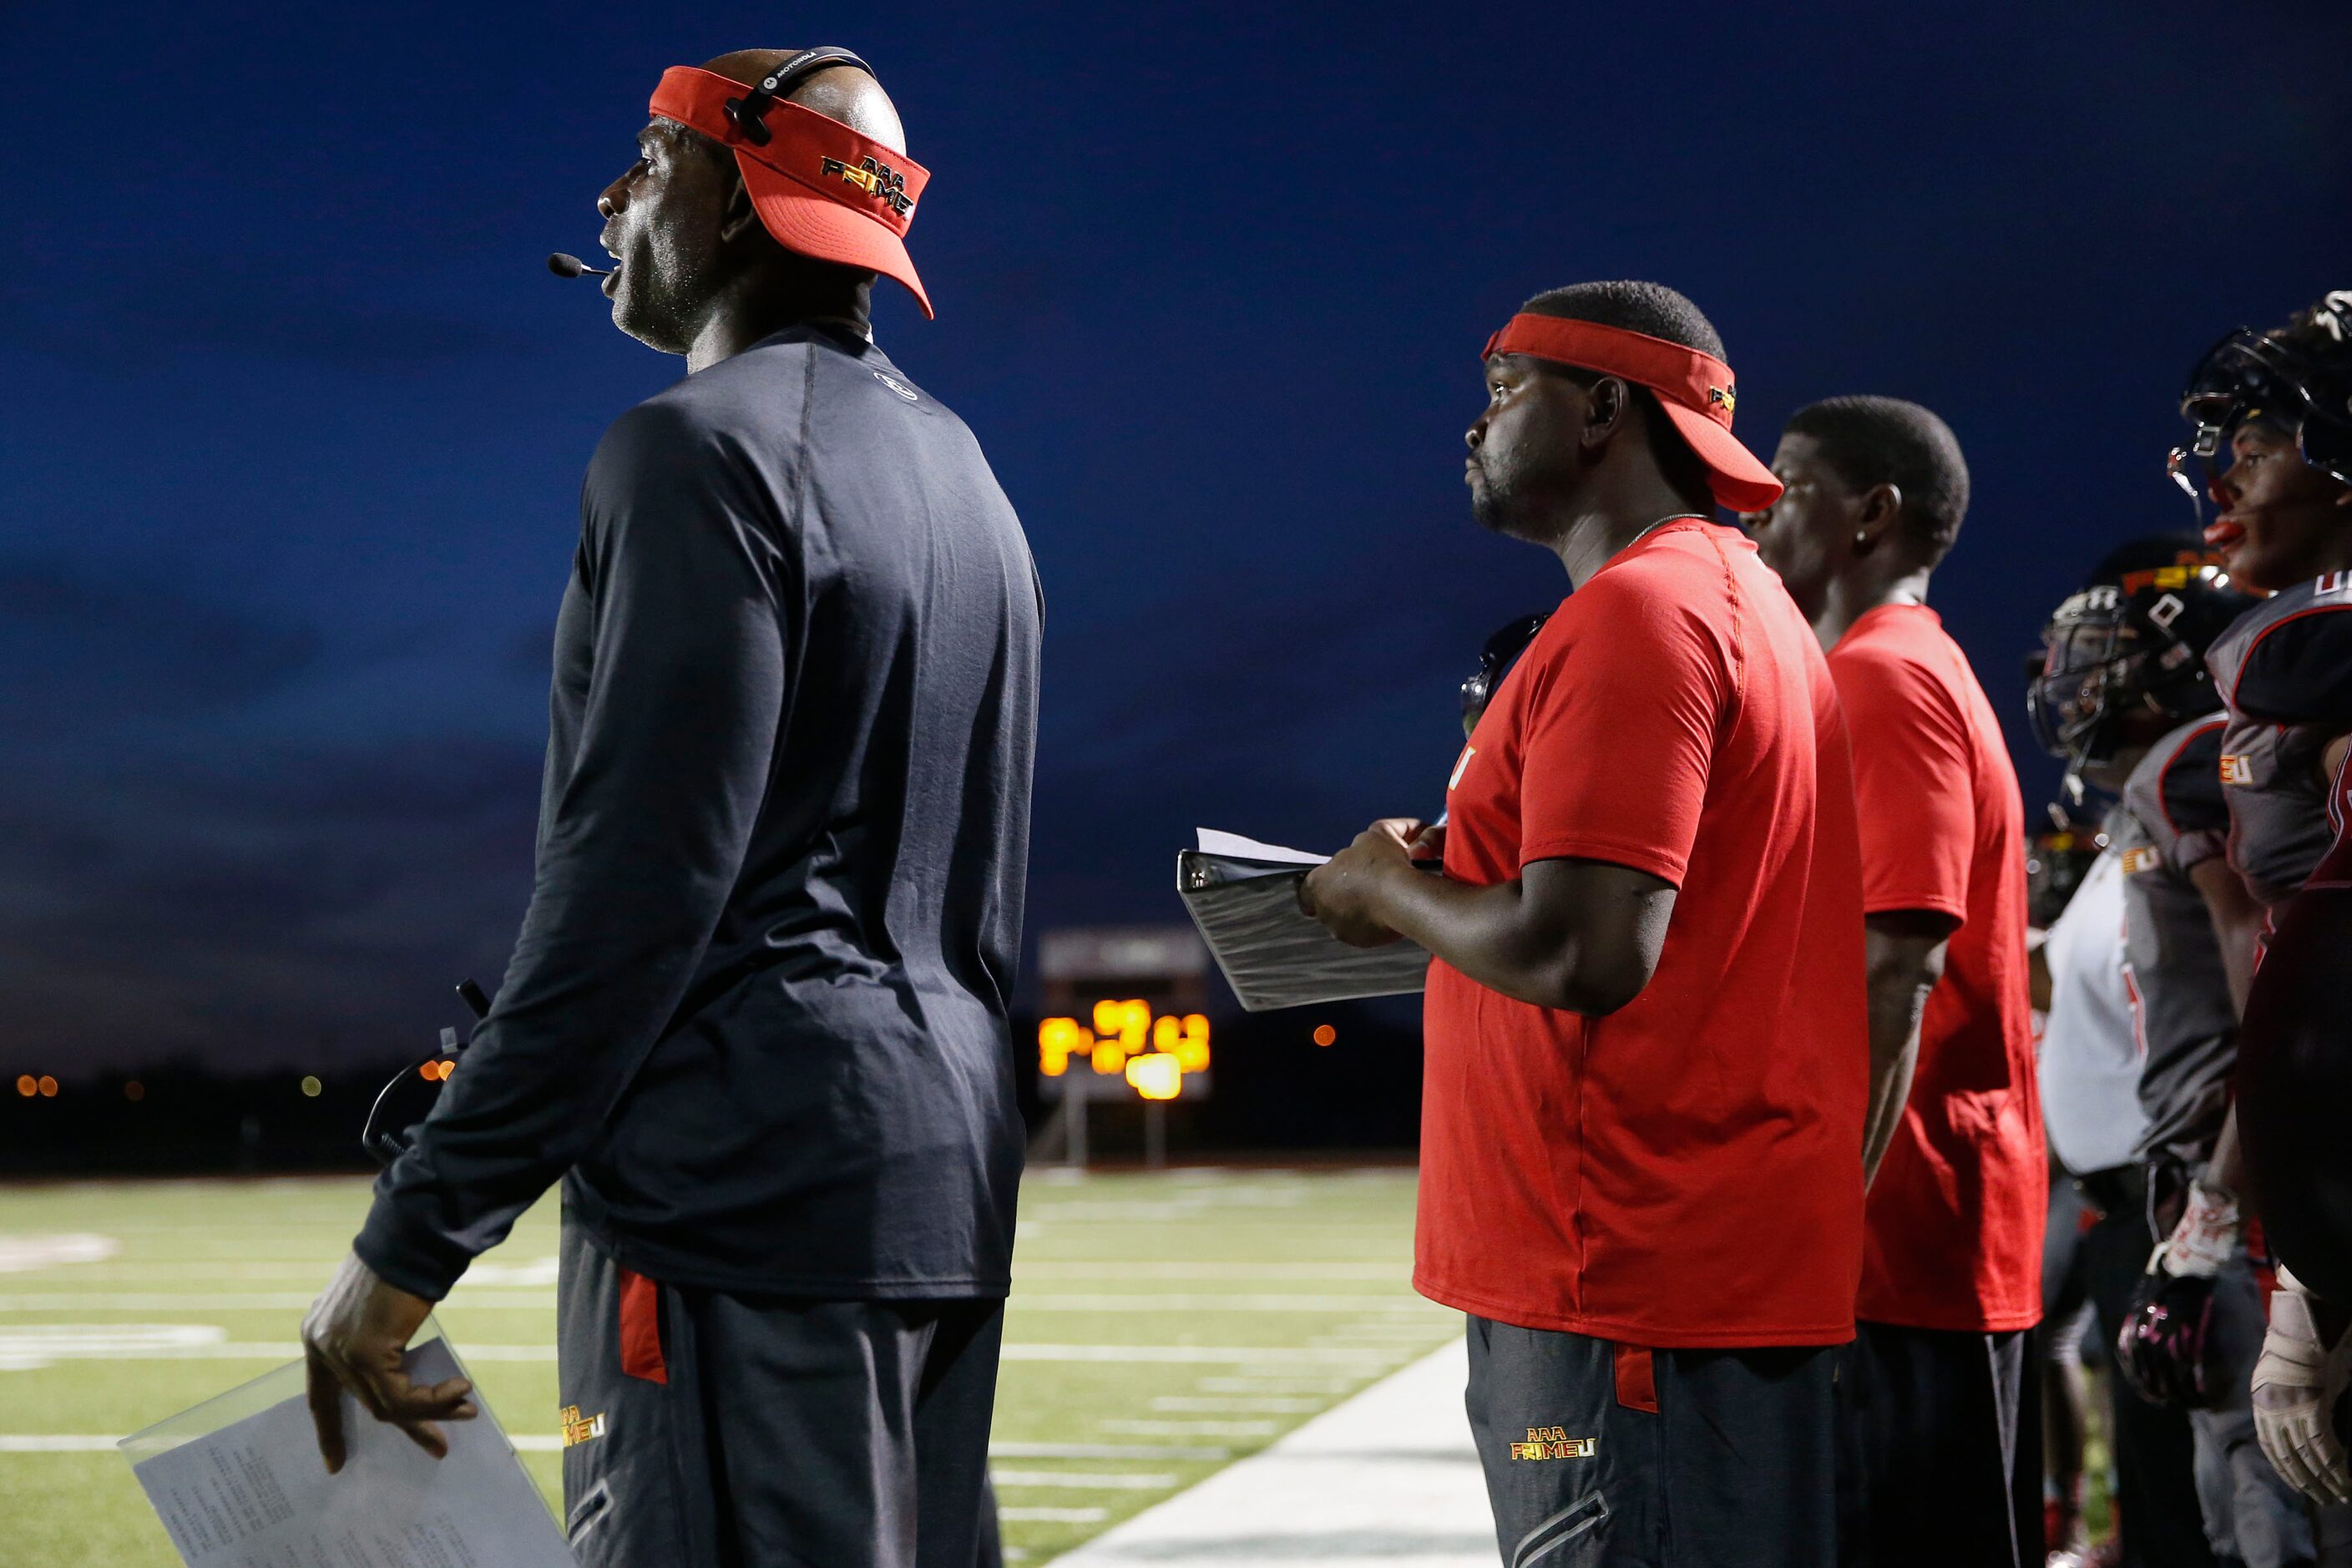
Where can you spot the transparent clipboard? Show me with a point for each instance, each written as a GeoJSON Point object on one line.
{"type": "Point", "coordinates": [239, 1483]}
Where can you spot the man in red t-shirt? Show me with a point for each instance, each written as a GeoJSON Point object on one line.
{"type": "Point", "coordinates": [1645, 1045]}
{"type": "Point", "coordinates": [1951, 1274]}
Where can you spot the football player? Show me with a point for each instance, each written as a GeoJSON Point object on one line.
{"type": "Point", "coordinates": [2272, 414]}
{"type": "Point", "coordinates": [2125, 655]}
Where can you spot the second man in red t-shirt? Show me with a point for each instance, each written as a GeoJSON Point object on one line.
{"type": "Point", "coordinates": [1876, 489]}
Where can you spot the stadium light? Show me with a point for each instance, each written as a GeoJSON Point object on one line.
{"type": "Point", "coordinates": [1156, 1075]}
{"type": "Point", "coordinates": [29, 1086]}
{"type": "Point", "coordinates": [48, 1087]}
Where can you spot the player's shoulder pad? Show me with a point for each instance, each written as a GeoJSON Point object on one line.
{"type": "Point", "coordinates": [2188, 782]}
{"type": "Point", "coordinates": [2288, 660]}
{"type": "Point", "coordinates": [2175, 797]}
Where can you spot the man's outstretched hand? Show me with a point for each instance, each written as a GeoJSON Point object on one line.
{"type": "Point", "coordinates": [352, 1338]}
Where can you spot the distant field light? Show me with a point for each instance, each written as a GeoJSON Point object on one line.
{"type": "Point", "coordinates": [1156, 1075]}
{"type": "Point", "coordinates": [1325, 1034]}
{"type": "Point", "coordinates": [48, 1087]}
{"type": "Point", "coordinates": [134, 1090]}
{"type": "Point", "coordinates": [29, 1086]}
{"type": "Point", "coordinates": [312, 1087]}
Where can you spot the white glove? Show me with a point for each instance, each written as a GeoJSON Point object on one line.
{"type": "Point", "coordinates": [2205, 1239]}
{"type": "Point", "coordinates": [2295, 1386]}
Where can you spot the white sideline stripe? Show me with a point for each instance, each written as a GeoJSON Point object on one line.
{"type": "Point", "coordinates": [1083, 1480]}
{"type": "Point", "coordinates": [1389, 1479]}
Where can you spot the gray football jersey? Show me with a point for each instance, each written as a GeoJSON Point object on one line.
{"type": "Point", "coordinates": [2284, 668]}
{"type": "Point", "coordinates": [2172, 817]}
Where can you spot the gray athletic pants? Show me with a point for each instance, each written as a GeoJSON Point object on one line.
{"type": "Point", "coordinates": [704, 1429]}
{"type": "Point", "coordinates": [2250, 1515]}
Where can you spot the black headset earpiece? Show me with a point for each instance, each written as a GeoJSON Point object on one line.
{"type": "Point", "coordinates": [748, 113]}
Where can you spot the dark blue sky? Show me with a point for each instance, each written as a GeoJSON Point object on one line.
{"type": "Point", "coordinates": [292, 419]}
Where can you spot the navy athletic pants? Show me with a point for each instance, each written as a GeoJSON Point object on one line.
{"type": "Point", "coordinates": [704, 1429]}
{"type": "Point", "coordinates": [1929, 1432]}
{"type": "Point", "coordinates": [1606, 1456]}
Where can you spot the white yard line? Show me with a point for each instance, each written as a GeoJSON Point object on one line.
{"type": "Point", "coordinates": [1129, 1427]}
{"type": "Point", "coordinates": [1009, 1450]}
{"type": "Point", "coordinates": [1234, 1404]}
{"type": "Point", "coordinates": [1082, 1480]}
{"type": "Point", "coordinates": [1388, 1480]}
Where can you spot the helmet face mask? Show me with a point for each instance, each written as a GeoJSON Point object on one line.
{"type": "Point", "coordinates": [2254, 375]}
{"type": "Point", "coordinates": [2125, 650]}
{"type": "Point", "coordinates": [2090, 657]}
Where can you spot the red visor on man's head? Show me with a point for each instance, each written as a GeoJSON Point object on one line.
{"type": "Point", "coordinates": [821, 188]}
{"type": "Point", "coordinates": [1695, 389]}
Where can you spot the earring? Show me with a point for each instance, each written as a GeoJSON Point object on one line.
{"type": "Point", "coordinates": [1861, 537]}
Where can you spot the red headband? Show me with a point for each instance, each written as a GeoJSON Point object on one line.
{"type": "Point", "coordinates": [821, 188]}
{"type": "Point", "coordinates": [1695, 389]}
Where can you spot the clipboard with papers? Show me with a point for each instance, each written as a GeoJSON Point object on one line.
{"type": "Point", "coordinates": [1244, 897]}
{"type": "Point", "coordinates": [239, 1483]}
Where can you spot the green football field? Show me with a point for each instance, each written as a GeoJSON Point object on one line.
{"type": "Point", "coordinates": [1161, 1327]}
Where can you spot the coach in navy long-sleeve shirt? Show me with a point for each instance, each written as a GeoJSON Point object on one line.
{"type": "Point", "coordinates": [758, 1008]}
{"type": "Point", "coordinates": [756, 1020]}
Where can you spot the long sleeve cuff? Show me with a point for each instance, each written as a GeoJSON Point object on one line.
{"type": "Point", "coordinates": [408, 1254]}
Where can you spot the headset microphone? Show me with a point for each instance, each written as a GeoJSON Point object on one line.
{"type": "Point", "coordinates": [564, 266]}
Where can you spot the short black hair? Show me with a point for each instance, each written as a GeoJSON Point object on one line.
{"type": "Point", "coordinates": [1658, 312]}
{"type": "Point", "coordinates": [1650, 308]}
{"type": "Point", "coordinates": [1884, 440]}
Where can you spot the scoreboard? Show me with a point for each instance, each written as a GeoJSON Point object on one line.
{"type": "Point", "coordinates": [1159, 1055]}
{"type": "Point", "coordinates": [1124, 1018]}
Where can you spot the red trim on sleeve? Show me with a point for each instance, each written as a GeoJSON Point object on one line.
{"type": "Point", "coordinates": [1637, 1378]}
{"type": "Point", "coordinates": [641, 1348]}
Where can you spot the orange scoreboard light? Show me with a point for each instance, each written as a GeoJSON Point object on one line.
{"type": "Point", "coordinates": [1124, 1015]}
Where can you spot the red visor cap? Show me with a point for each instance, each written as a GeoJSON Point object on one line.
{"type": "Point", "coordinates": [1695, 389]}
{"type": "Point", "coordinates": [820, 188]}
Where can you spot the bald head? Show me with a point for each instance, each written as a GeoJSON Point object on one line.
{"type": "Point", "coordinates": [837, 92]}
